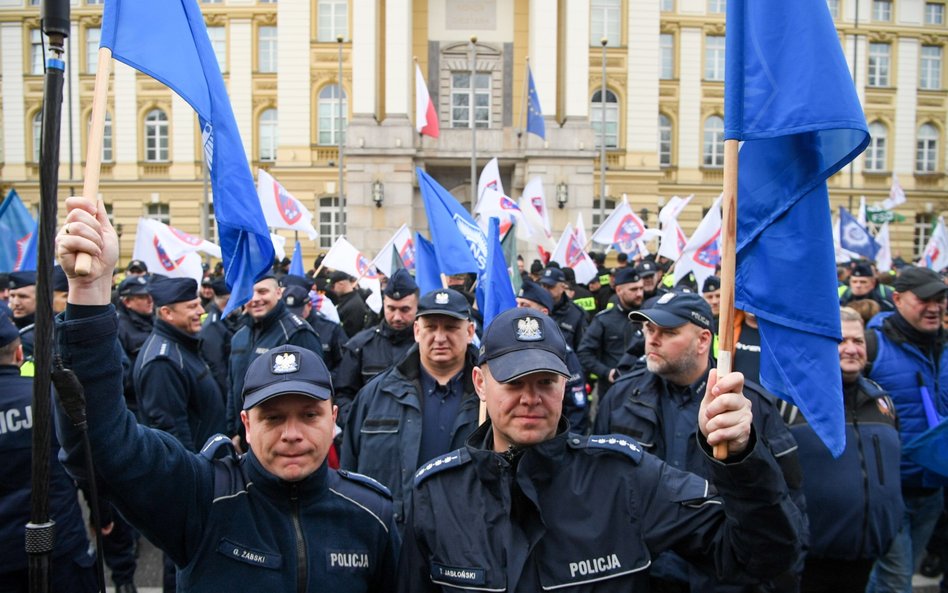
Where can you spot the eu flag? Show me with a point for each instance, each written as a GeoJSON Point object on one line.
{"type": "Point", "coordinates": [790, 97]}
{"type": "Point", "coordinates": [167, 40]}
{"type": "Point", "coordinates": [17, 228]}
{"type": "Point", "coordinates": [535, 124]}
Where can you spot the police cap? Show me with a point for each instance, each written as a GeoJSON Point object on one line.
{"type": "Point", "coordinates": [444, 301]}
{"type": "Point", "coordinates": [674, 309]}
{"type": "Point", "coordinates": [283, 370]}
{"type": "Point", "coordinates": [137, 265]}
{"type": "Point", "coordinates": [400, 285]}
{"type": "Point", "coordinates": [536, 293]}
{"type": "Point", "coordinates": [711, 283]}
{"type": "Point", "coordinates": [295, 298]}
{"type": "Point", "coordinates": [626, 275]}
{"type": "Point", "coordinates": [220, 288]}
{"type": "Point", "coordinates": [646, 268]}
{"type": "Point", "coordinates": [863, 271]}
{"type": "Point", "coordinates": [22, 279]}
{"type": "Point", "coordinates": [133, 286]}
{"type": "Point", "coordinates": [167, 291]}
{"type": "Point", "coordinates": [522, 341]}
{"type": "Point", "coordinates": [552, 277]}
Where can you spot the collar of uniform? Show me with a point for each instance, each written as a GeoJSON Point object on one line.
{"type": "Point", "coordinates": [9, 369]}
{"type": "Point", "coordinates": [270, 318]}
{"type": "Point", "coordinates": [396, 336]}
{"type": "Point", "coordinates": [163, 328]}
{"type": "Point", "coordinates": [410, 364]}
{"type": "Point", "coordinates": [21, 322]}
{"type": "Point", "coordinates": [695, 391]}
{"type": "Point", "coordinates": [139, 320]}
{"type": "Point", "coordinates": [309, 488]}
{"type": "Point", "coordinates": [490, 464]}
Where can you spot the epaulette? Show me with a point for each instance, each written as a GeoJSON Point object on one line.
{"type": "Point", "coordinates": [366, 481]}
{"type": "Point", "coordinates": [610, 442]}
{"type": "Point", "coordinates": [297, 320]}
{"type": "Point", "coordinates": [439, 464]}
{"type": "Point", "coordinates": [603, 312]}
{"type": "Point", "coordinates": [156, 348]}
{"type": "Point", "coordinates": [218, 446]}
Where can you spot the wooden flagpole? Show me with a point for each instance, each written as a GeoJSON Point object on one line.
{"type": "Point", "coordinates": [90, 183]}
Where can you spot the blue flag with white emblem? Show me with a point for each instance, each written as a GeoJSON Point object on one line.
{"type": "Point", "coordinates": [460, 244]}
{"type": "Point", "coordinates": [535, 123]}
{"type": "Point", "coordinates": [790, 98]}
{"type": "Point", "coordinates": [167, 40]}
{"type": "Point", "coordinates": [17, 231]}
{"type": "Point", "coordinates": [854, 237]}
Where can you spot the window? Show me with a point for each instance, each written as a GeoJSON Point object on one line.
{"type": "Point", "coordinates": [668, 5]}
{"type": "Point", "coordinates": [267, 49]}
{"type": "Point", "coordinates": [106, 137]}
{"type": "Point", "coordinates": [924, 223]}
{"type": "Point", "coordinates": [876, 152]}
{"type": "Point", "coordinates": [666, 44]}
{"type": "Point", "coordinates": [156, 136]}
{"type": "Point", "coordinates": [929, 76]}
{"type": "Point", "coordinates": [330, 125]}
{"type": "Point", "coordinates": [330, 223]}
{"type": "Point", "coordinates": [332, 20]}
{"type": "Point", "coordinates": [218, 36]}
{"type": "Point", "coordinates": [611, 111]}
{"type": "Point", "coordinates": [717, 6]}
{"type": "Point", "coordinates": [93, 35]}
{"type": "Point", "coordinates": [714, 142]}
{"type": "Point", "coordinates": [714, 57]}
{"type": "Point", "coordinates": [664, 141]}
{"type": "Point", "coordinates": [833, 6]}
{"type": "Point", "coordinates": [934, 13]}
{"type": "Point", "coordinates": [91, 2]}
{"type": "Point", "coordinates": [926, 149]}
{"type": "Point", "coordinates": [37, 135]}
{"type": "Point", "coordinates": [268, 135]}
{"type": "Point", "coordinates": [879, 64]}
{"type": "Point", "coordinates": [211, 1]}
{"type": "Point", "coordinates": [610, 205]}
{"type": "Point", "coordinates": [461, 99]}
{"type": "Point", "coordinates": [604, 21]}
{"type": "Point", "coordinates": [159, 212]}
{"type": "Point", "coordinates": [882, 10]}
{"type": "Point", "coordinates": [36, 51]}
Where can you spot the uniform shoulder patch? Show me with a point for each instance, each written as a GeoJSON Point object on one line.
{"type": "Point", "coordinates": [218, 446]}
{"type": "Point", "coordinates": [439, 464]}
{"type": "Point", "coordinates": [366, 481]}
{"type": "Point", "coordinates": [616, 443]}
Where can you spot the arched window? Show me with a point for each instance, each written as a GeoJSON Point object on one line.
{"type": "Point", "coordinates": [876, 152]}
{"type": "Point", "coordinates": [926, 149]}
{"type": "Point", "coordinates": [37, 135]}
{"type": "Point", "coordinates": [611, 118]}
{"type": "Point", "coordinates": [268, 134]}
{"type": "Point", "coordinates": [330, 124]}
{"type": "Point", "coordinates": [714, 142]}
{"type": "Point", "coordinates": [156, 136]}
{"type": "Point", "coordinates": [664, 140]}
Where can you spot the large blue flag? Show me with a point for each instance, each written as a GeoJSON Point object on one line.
{"type": "Point", "coordinates": [535, 123]}
{"type": "Point", "coordinates": [460, 245]}
{"type": "Point", "coordinates": [17, 227]}
{"type": "Point", "coordinates": [427, 272]}
{"type": "Point", "coordinates": [296, 263]}
{"type": "Point", "coordinates": [167, 40]}
{"type": "Point", "coordinates": [790, 97]}
{"type": "Point", "coordinates": [854, 237]}
{"type": "Point", "coordinates": [28, 261]}
{"type": "Point", "coordinates": [494, 282]}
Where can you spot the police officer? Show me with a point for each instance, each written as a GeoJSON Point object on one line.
{"type": "Point", "coordinates": [658, 405]}
{"type": "Point", "coordinates": [711, 292]}
{"type": "Point", "coordinates": [376, 349]}
{"type": "Point", "coordinates": [23, 305]}
{"type": "Point", "coordinates": [72, 567]}
{"type": "Point", "coordinates": [854, 501]}
{"type": "Point", "coordinates": [863, 284]}
{"type": "Point", "coordinates": [276, 519]}
{"type": "Point", "coordinates": [651, 275]}
{"type": "Point", "coordinates": [526, 505]}
{"type": "Point", "coordinates": [135, 323]}
{"type": "Point", "coordinates": [216, 333]}
{"type": "Point", "coordinates": [422, 407]}
{"type": "Point", "coordinates": [330, 332]}
{"type": "Point", "coordinates": [354, 313]}
{"type": "Point", "coordinates": [611, 332]}
{"type": "Point", "coordinates": [570, 318]}
{"type": "Point", "coordinates": [269, 325]}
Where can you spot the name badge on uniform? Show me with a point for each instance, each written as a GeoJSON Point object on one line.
{"type": "Point", "coordinates": [455, 575]}
{"type": "Point", "coordinates": [247, 555]}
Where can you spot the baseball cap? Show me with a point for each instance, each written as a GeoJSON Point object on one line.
{"type": "Point", "coordinates": [133, 286]}
{"type": "Point", "coordinates": [536, 293]}
{"type": "Point", "coordinates": [444, 301]}
{"type": "Point", "coordinates": [862, 271]}
{"type": "Point", "coordinates": [22, 279]}
{"type": "Point", "coordinates": [925, 283]}
{"type": "Point", "coordinates": [674, 309]}
{"type": "Point", "coordinates": [646, 268]}
{"type": "Point", "coordinates": [626, 276]}
{"type": "Point", "coordinates": [168, 291]}
{"type": "Point", "coordinates": [283, 370]}
{"type": "Point", "coordinates": [136, 264]}
{"type": "Point", "coordinates": [711, 283]}
{"type": "Point", "coordinates": [400, 285]}
{"type": "Point", "coordinates": [295, 298]}
{"type": "Point", "coordinates": [522, 341]}
{"type": "Point", "coordinates": [552, 277]}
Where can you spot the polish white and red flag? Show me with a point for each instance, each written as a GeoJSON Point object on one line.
{"type": "Point", "coordinates": [426, 116]}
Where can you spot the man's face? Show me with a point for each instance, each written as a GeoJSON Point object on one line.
{"type": "Point", "coordinates": [631, 294]}
{"type": "Point", "coordinates": [852, 350]}
{"type": "Point", "coordinates": [524, 411]}
{"type": "Point", "coordinates": [400, 313]}
{"type": "Point", "coordinates": [207, 292]}
{"type": "Point", "coordinates": [139, 303]}
{"type": "Point", "coordinates": [442, 339]}
{"type": "Point", "coordinates": [266, 295]}
{"type": "Point", "coordinates": [556, 291]}
{"type": "Point", "coordinates": [676, 353]}
{"type": "Point", "coordinates": [923, 315]}
{"type": "Point", "coordinates": [290, 434]}
{"type": "Point", "coordinates": [342, 287]}
{"type": "Point", "coordinates": [185, 316]}
{"type": "Point", "coordinates": [713, 298]}
{"type": "Point", "coordinates": [23, 301]}
{"type": "Point", "coordinates": [861, 285]}
{"type": "Point", "coordinates": [649, 283]}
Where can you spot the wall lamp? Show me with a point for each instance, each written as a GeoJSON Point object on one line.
{"type": "Point", "coordinates": [378, 193]}
{"type": "Point", "coordinates": [562, 194]}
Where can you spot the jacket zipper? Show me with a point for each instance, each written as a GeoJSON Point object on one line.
{"type": "Point", "coordinates": [300, 542]}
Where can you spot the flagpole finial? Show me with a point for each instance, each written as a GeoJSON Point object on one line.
{"type": "Point", "coordinates": [474, 39]}
{"type": "Point", "coordinates": [604, 41]}
{"type": "Point", "coordinates": [339, 38]}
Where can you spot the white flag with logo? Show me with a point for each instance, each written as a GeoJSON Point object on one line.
{"type": "Point", "coordinates": [533, 230]}
{"type": "Point", "coordinates": [170, 252]}
{"type": "Point", "coordinates": [884, 255]}
{"type": "Point", "coordinates": [281, 209]}
{"type": "Point", "coordinates": [569, 253]}
{"type": "Point", "coordinates": [896, 195]}
{"type": "Point", "coordinates": [702, 253]}
{"type": "Point", "coordinates": [489, 182]}
{"type": "Point", "coordinates": [624, 231]}
{"type": "Point", "coordinates": [935, 255]}
{"type": "Point", "coordinates": [533, 195]}
{"type": "Point", "coordinates": [673, 238]}
{"type": "Point", "coordinates": [401, 244]}
{"type": "Point", "coordinates": [344, 256]}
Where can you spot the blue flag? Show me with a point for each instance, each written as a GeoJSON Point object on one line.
{"type": "Point", "coordinates": [855, 237]}
{"type": "Point", "coordinates": [17, 228]}
{"type": "Point", "coordinates": [460, 245]}
{"type": "Point", "coordinates": [494, 282]}
{"type": "Point", "coordinates": [789, 96]}
{"type": "Point", "coordinates": [535, 123]}
{"type": "Point", "coordinates": [427, 272]}
{"type": "Point", "coordinates": [167, 40]}
{"type": "Point", "coordinates": [28, 262]}
{"type": "Point", "coordinates": [296, 264]}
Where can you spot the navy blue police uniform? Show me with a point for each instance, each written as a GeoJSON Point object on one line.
{"type": "Point", "coordinates": [25, 324]}
{"type": "Point", "coordinates": [134, 329]}
{"type": "Point", "coordinates": [331, 335]}
{"type": "Point", "coordinates": [216, 335]}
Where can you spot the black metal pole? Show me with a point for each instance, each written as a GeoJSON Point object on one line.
{"type": "Point", "coordinates": [40, 531]}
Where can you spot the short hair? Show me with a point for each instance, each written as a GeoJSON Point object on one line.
{"type": "Point", "coordinates": [7, 352]}
{"type": "Point", "coordinates": [857, 311]}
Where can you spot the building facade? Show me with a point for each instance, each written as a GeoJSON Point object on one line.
{"type": "Point", "coordinates": [660, 64]}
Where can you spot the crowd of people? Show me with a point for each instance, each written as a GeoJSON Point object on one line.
{"type": "Point", "coordinates": [306, 442]}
